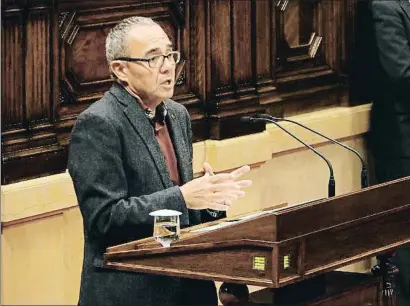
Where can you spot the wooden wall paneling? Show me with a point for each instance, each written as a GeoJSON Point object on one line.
{"type": "Point", "coordinates": [242, 57]}
{"type": "Point", "coordinates": [30, 147]}
{"type": "Point", "coordinates": [220, 47]}
{"type": "Point", "coordinates": [220, 32]}
{"type": "Point", "coordinates": [38, 66]}
{"type": "Point", "coordinates": [12, 63]}
{"type": "Point", "coordinates": [352, 17]}
{"type": "Point", "coordinates": [73, 250]}
{"type": "Point", "coordinates": [241, 15]}
{"type": "Point", "coordinates": [42, 258]}
{"type": "Point", "coordinates": [331, 31]}
{"type": "Point", "coordinates": [348, 32]}
{"type": "Point", "coordinates": [84, 69]}
{"type": "Point", "coordinates": [303, 73]}
{"type": "Point", "coordinates": [32, 261]}
{"type": "Point", "coordinates": [198, 53]}
{"type": "Point", "coordinates": [104, 4]}
{"type": "Point", "coordinates": [360, 63]}
{"type": "Point", "coordinates": [84, 72]}
{"type": "Point", "coordinates": [305, 15]}
{"type": "Point", "coordinates": [190, 90]}
{"type": "Point", "coordinates": [335, 18]}
{"type": "Point", "coordinates": [264, 25]}
{"type": "Point", "coordinates": [57, 57]}
{"type": "Point", "coordinates": [292, 16]}
{"type": "Point", "coordinates": [233, 79]}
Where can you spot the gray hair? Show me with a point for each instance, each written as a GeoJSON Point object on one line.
{"type": "Point", "coordinates": [116, 44]}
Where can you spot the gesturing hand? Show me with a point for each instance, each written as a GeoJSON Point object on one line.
{"type": "Point", "coordinates": [215, 191]}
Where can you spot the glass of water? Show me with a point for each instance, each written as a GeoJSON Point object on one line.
{"type": "Point", "coordinates": [166, 226]}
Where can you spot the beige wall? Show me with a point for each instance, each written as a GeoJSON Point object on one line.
{"type": "Point", "coordinates": [41, 246]}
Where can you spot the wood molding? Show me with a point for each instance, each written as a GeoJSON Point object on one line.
{"type": "Point", "coordinates": [242, 58]}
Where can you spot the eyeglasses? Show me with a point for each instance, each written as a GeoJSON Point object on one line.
{"type": "Point", "coordinates": [155, 61]}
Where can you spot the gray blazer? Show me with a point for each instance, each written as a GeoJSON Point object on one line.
{"type": "Point", "coordinates": [120, 176]}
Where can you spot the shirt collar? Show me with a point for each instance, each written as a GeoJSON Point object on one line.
{"type": "Point", "coordinates": [157, 115]}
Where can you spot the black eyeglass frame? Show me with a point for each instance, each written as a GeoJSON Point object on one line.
{"type": "Point", "coordinates": [148, 60]}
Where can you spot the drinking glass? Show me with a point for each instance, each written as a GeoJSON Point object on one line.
{"type": "Point", "coordinates": [166, 226]}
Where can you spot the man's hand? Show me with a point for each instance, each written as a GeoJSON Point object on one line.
{"type": "Point", "coordinates": [215, 191]}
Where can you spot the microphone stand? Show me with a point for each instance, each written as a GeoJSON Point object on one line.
{"type": "Point", "coordinates": [332, 182]}
{"type": "Point", "coordinates": [364, 176]}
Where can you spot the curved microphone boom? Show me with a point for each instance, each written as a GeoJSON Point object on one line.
{"type": "Point", "coordinates": [364, 176]}
{"type": "Point", "coordinates": [332, 182]}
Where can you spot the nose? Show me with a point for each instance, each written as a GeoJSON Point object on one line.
{"type": "Point", "coordinates": [167, 65]}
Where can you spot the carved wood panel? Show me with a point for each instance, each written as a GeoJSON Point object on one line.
{"type": "Point", "coordinates": [29, 142]}
{"type": "Point", "coordinates": [242, 57]}
{"type": "Point", "coordinates": [84, 70]}
{"type": "Point", "coordinates": [306, 44]}
{"type": "Point", "coordinates": [12, 36]}
{"type": "Point", "coordinates": [232, 46]}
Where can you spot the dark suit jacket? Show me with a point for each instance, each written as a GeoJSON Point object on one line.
{"type": "Point", "coordinates": [390, 122]}
{"type": "Point", "coordinates": [120, 176]}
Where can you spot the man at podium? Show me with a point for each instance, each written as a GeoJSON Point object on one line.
{"type": "Point", "coordinates": [131, 154]}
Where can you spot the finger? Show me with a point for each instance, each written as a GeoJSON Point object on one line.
{"type": "Point", "coordinates": [227, 203]}
{"type": "Point", "coordinates": [201, 204]}
{"type": "Point", "coordinates": [221, 177]}
{"type": "Point", "coordinates": [217, 206]}
{"type": "Point", "coordinates": [244, 183]}
{"type": "Point", "coordinates": [233, 194]}
{"type": "Point", "coordinates": [224, 187]}
{"type": "Point", "coordinates": [240, 171]}
{"type": "Point", "coordinates": [238, 193]}
{"type": "Point", "coordinates": [221, 196]}
{"type": "Point", "coordinates": [207, 168]}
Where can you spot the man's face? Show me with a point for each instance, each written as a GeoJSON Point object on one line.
{"type": "Point", "coordinates": [152, 85]}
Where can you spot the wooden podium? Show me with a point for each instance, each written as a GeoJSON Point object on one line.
{"type": "Point", "coordinates": [281, 246]}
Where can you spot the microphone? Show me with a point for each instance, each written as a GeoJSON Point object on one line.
{"type": "Point", "coordinates": [364, 176]}
{"type": "Point", "coordinates": [332, 182]}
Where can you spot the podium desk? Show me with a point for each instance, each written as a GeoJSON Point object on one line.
{"type": "Point", "coordinates": [282, 246]}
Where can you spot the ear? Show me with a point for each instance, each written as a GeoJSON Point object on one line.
{"type": "Point", "coordinates": [120, 69]}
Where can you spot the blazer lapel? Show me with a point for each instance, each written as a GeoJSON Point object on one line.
{"type": "Point", "coordinates": [180, 146]}
{"type": "Point", "coordinates": [405, 5]}
{"type": "Point", "coordinates": [143, 127]}
{"type": "Point", "coordinates": [183, 157]}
